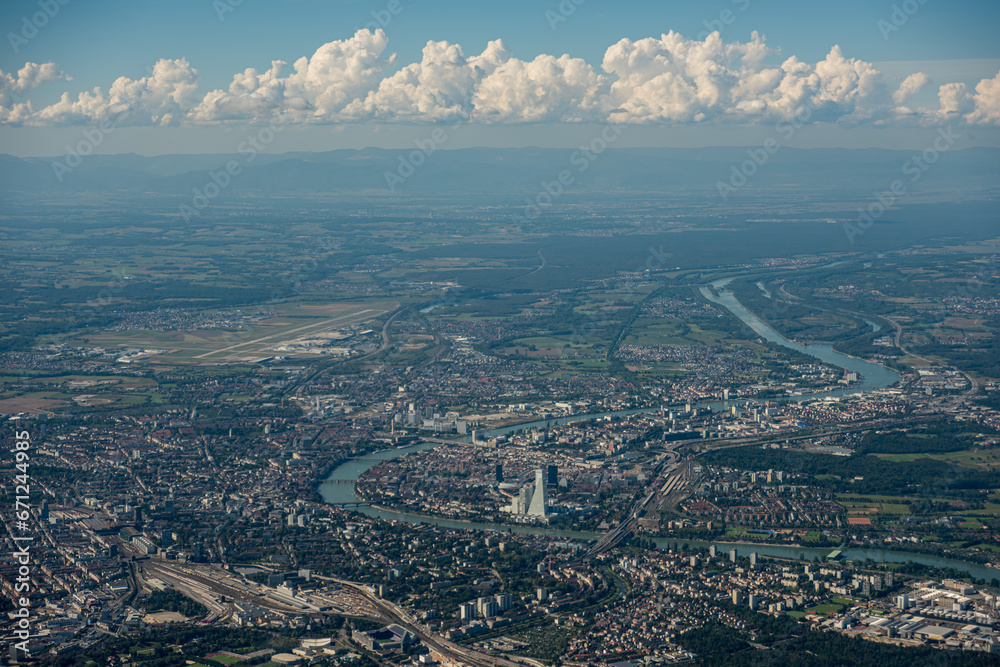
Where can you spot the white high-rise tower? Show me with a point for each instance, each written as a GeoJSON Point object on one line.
{"type": "Point", "coordinates": [540, 498]}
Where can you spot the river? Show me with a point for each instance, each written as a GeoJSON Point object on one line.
{"type": "Point", "coordinates": [352, 470]}
{"type": "Point", "coordinates": [874, 376]}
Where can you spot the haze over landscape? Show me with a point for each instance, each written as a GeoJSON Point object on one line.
{"type": "Point", "coordinates": [527, 333]}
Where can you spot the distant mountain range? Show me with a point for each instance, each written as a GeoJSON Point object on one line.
{"type": "Point", "coordinates": [487, 171]}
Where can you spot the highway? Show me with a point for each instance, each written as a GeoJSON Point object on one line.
{"type": "Point", "coordinates": [298, 385]}
{"type": "Point", "coordinates": [459, 655]}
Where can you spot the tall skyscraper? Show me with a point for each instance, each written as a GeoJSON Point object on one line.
{"type": "Point", "coordinates": [540, 498]}
{"type": "Point", "coordinates": [499, 473]}
{"type": "Point", "coordinates": [552, 475]}
{"type": "Point", "coordinates": [524, 497]}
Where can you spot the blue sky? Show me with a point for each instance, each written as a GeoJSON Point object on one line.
{"type": "Point", "coordinates": [95, 42]}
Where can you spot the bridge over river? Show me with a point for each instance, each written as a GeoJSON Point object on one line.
{"type": "Point", "coordinates": [340, 490]}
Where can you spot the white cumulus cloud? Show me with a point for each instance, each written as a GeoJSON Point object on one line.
{"type": "Point", "coordinates": [986, 102]}
{"type": "Point", "coordinates": [437, 88]}
{"type": "Point", "coordinates": [162, 98]}
{"type": "Point", "coordinates": [911, 85]}
{"type": "Point", "coordinates": [547, 88]}
{"type": "Point", "coordinates": [325, 87]}
{"type": "Point", "coordinates": [668, 79]}
{"type": "Point", "coordinates": [955, 100]}
{"type": "Point", "coordinates": [29, 77]}
{"type": "Point", "coordinates": [675, 79]}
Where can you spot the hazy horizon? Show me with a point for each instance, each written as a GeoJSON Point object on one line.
{"type": "Point", "coordinates": [559, 332]}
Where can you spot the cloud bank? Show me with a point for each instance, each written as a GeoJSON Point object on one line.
{"type": "Point", "coordinates": [665, 80]}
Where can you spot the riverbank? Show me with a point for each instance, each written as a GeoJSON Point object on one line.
{"type": "Point", "coordinates": [900, 554]}
{"type": "Point", "coordinates": [354, 468]}
{"type": "Point", "coordinates": [876, 377]}
{"type": "Point", "coordinates": [873, 375]}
